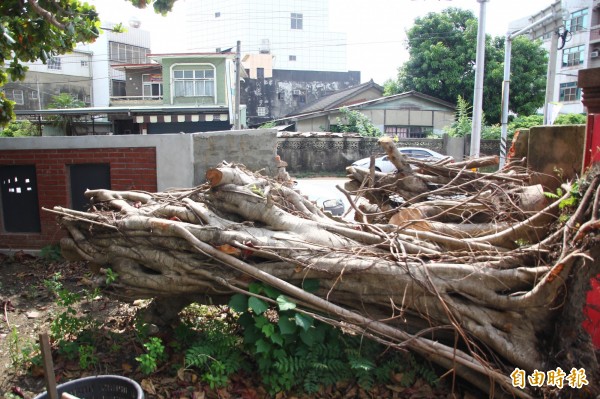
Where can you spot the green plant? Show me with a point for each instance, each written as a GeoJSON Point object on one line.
{"type": "Point", "coordinates": [292, 350]}
{"type": "Point", "coordinates": [268, 125]}
{"type": "Point", "coordinates": [111, 276]}
{"type": "Point", "coordinates": [463, 123]}
{"type": "Point", "coordinates": [355, 122]}
{"type": "Point", "coordinates": [155, 353]}
{"type": "Point", "coordinates": [20, 351]}
{"type": "Point", "coordinates": [51, 253]}
{"type": "Point", "coordinates": [22, 128]}
{"type": "Point", "coordinates": [87, 356]}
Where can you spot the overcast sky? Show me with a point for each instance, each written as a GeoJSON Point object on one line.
{"type": "Point", "coordinates": [375, 28]}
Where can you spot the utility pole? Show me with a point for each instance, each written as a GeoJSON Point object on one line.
{"type": "Point", "coordinates": [478, 89]}
{"type": "Point", "coordinates": [548, 20]}
{"type": "Point", "coordinates": [550, 77]}
{"type": "Point", "coordinates": [238, 65]}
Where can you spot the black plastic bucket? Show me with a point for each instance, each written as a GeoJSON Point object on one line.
{"type": "Point", "coordinates": [100, 387]}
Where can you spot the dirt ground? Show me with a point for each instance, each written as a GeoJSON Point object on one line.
{"type": "Point", "coordinates": [28, 307]}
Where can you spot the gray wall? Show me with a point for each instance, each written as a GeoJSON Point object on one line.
{"type": "Point", "coordinates": [318, 154]}
{"type": "Point", "coordinates": [255, 149]}
{"type": "Point", "coordinates": [182, 159]}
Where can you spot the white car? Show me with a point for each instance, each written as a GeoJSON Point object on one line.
{"type": "Point", "coordinates": [383, 164]}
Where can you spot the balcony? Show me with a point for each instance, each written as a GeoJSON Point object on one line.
{"type": "Point", "coordinates": [123, 101]}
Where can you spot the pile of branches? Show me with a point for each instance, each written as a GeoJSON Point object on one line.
{"type": "Point", "coordinates": [480, 273]}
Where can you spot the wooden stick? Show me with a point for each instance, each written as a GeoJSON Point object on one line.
{"type": "Point", "coordinates": [48, 366]}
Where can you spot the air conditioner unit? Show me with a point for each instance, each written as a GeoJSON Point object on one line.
{"type": "Point", "coordinates": [594, 54]}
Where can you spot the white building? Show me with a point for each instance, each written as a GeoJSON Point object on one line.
{"type": "Point", "coordinates": [110, 49]}
{"type": "Point", "coordinates": [578, 48]}
{"type": "Point", "coordinates": [295, 32]}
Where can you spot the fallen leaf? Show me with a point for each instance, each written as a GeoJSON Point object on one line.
{"type": "Point", "coordinates": [34, 314]}
{"type": "Point", "coordinates": [181, 374]}
{"type": "Point", "coordinates": [148, 386]}
{"type": "Point", "coordinates": [199, 395]}
{"type": "Point", "coordinates": [126, 367]}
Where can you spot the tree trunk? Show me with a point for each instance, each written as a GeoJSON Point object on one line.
{"type": "Point", "coordinates": [466, 278]}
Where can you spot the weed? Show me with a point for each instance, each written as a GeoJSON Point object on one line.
{"type": "Point", "coordinates": [87, 356]}
{"type": "Point", "coordinates": [155, 353]}
{"type": "Point", "coordinates": [51, 253]}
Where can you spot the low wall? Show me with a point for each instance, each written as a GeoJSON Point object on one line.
{"type": "Point", "coordinates": [256, 149]}
{"type": "Point", "coordinates": [142, 162]}
{"type": "Point", "coordinates": [331, 154]}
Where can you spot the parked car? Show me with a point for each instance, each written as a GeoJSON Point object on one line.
{"type": "Point", "coordinates": [383, 164]}
{"type": "Point", "coordinates": [323, 194]}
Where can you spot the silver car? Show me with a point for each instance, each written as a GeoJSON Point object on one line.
{"type": "Point", "coordinates": [383, 164]}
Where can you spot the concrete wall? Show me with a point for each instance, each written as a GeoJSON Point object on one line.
{"type": "Point", "coordinates": [323, 154]}
{"type": "Point", "coordinates": [256, 149]}
{"type": "Point", "coordinates": [148, 163]}
{"type": "Point", "coordinates": [555, 154]}
{"type": "Point", "coordinates": [173, 152]}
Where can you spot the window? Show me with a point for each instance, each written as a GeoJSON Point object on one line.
{"type": "Point", "coordinates": [33, 95]}
{"type": "Point", "coordinates": [217, 14]}
{"type": "Point", "coordinates": [122, 52]}
{"type": "Point", "coordinates": [569, 92]}
{"type": "Point", "coordinates": [408, 132]}
{"type": "Point", "coordinates": [152, 85]}
{"type": "Point", "coordinates": [292, 58]}
{"type": "Point", "coordinates": [196, 81]}
{"type": "Point", "coordinates": [260, 73]}
{"type": "Point", "coordinates": [261, 111]}
{"type": "Point", "coordinates": [54, 63]}
{"type": "Point", "coordinates": [16, 96]}
{"type": "Point", "coordinates": [296, 21]}
{"type": "Point", "coordinates": [118, 88]}
{"type": "Point", "coordinates": [577, 21]}
{"type": "Point", "coordinates": [573, 56]}
{"type": "Point", "coordinates": [281, 95]}
{"type": "Point", "coordinates": [84, 63]}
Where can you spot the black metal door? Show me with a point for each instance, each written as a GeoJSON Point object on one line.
{"type": "Point", "coordinates": [20, 207]}
{"type": "Point", "coordinates": [87, 176]}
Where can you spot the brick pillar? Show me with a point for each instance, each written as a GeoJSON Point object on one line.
{"type": "Point", "coordinates": [589, 82]}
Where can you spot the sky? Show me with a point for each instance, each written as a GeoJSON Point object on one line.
{"type": "Point", "coordinates": [375, 28]}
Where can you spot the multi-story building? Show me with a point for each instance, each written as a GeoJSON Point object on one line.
{"type": "Point", "coordinates": [578, 47]}
{"type": "Point", "coordinates": [289, 54]}
{"type": "Point", "coordinates": [295, 32]}
{"type": "Point", "coordinates": [111, 49]}
{"type": "Point", "coordinates": [68, 73]}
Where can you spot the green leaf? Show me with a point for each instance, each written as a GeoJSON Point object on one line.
{"type": "Point", "coordinates": [260, 321]}
{"type": "Point", "coordinates": [310, 285]}
{"type": "Point", "coordinates": [262, 346]}
{"type": "Point", "coordinates": [268, 330]}
{"type": "Point", "coordinates": [258, 306]}
{"type": "Point", "coordinates": [286, 325]}
{"type": "Point", "coordinates": [271, 292]}
{"type": "Point", "coordinates": [239, 303]}
{"type": "Point", "coordinates": [255, 288]}
{"type": "Point", "coordinates": [308, 337]}
{"type": "Point", "coordinates": [303, 321]}
{"type": "Point", "coordinates": [285, 303]}
{"type": "Point", "coordinates": [252, 335]}
{"type": "Point", "coordinates": [277, 339]}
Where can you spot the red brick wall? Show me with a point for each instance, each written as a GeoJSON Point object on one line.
{"type": "Point", "coordinates": [130, 168]}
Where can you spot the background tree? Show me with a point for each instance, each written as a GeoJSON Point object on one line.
{"type": "Point", "coordinates": [65, 101]}
{"type": "Point", "coordinates": [22, 128]}
{"type": "Point", "coordinates": [355, 122]}
{"type": "Point", "coordinates": [442, 49]}
{"type": "Point", "coordinates": [40, 29]}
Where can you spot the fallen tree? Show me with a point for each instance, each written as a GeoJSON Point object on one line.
{"type": "Point", "coordinates": [477, 272]}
